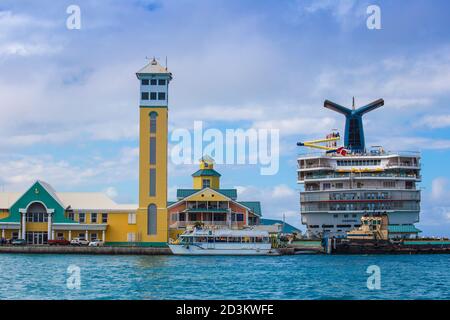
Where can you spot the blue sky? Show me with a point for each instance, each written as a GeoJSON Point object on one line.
{"type": "Point", "coordinates": [69, 98]}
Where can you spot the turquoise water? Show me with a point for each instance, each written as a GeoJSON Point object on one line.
{"type": "Point", "coordinates": [174, 277]}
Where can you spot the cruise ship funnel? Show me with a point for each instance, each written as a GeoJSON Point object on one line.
{"type": "Point", "coordinates": [354, 132]}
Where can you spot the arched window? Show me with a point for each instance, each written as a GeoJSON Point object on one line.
{"type": "Point", "coordinates": [153, 116]}
{"type": "Point", "coordinates": [36, 212]}
{"type": "Point", "coordinates": [151, 219]}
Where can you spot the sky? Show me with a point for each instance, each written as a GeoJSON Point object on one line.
{"type": "Point", "coordinates": [69, 98]}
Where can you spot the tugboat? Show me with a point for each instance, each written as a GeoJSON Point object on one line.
{"type": "Point", "coordinates": [373, 237]}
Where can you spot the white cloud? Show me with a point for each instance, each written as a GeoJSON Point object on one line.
{"type": "Point", "coordinates": [436, 121]}
{"type": "Point", "coordinates": [111, 192]}
{"type": "Point", "coordinates": [18, 172]}
{"type": "Point", "coordinates": [283, 191]}
{"type": "Point", "coordinates": [297, 125]}
{"type": "Point", "coordinates": [26, 49]}
{"type": "Point", "coordinates": [438, 187]}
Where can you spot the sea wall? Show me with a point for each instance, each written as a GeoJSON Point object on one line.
{"type": "Point", "coordinates": [86, 250]}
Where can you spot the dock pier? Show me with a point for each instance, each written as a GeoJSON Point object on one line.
{"type": "Point", "coordinates": [106, 250]}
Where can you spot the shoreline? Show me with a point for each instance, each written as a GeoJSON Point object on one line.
{"type": "Point", "coordinates": [106, 250]}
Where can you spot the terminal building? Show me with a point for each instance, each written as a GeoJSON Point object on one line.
{"type": "Point", "coordinates": [41, 213]}
{"type": "Point", "coordinates": [206, 203]}
{"type": "Point", "coordinates": [340, 187]}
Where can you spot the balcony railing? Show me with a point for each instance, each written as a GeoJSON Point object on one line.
{"type": "Point", "coordinates": [184, 224]}
{"type": "Point", "coordinates": [366, 195]}
{"type": "Point", "coordinates": [358, 175]}
{"type": "Point", "coordinates": [363, 154]}
{"type": "Point", "coordinates": [368, 207]}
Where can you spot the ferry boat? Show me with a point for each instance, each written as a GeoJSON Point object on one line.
{"type": "Point", "coordinates": [223, 242]}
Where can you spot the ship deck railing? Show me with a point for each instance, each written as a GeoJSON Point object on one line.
{"type": "Point", "coordinates": [405, 153]}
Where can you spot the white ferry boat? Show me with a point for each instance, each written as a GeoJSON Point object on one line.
{"type": "Point", "coordinates": [223, 242]}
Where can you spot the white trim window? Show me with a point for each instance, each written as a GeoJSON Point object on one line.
{"type": "Point", "coordinates": [81, 217]}
{"type": "Point", "coordinates": [131, 237]}
{"type": "Point", "coordinates": [132, 218]}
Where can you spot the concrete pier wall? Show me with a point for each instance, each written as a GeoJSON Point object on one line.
{"type": "Point", "coordinates": [86, 250]}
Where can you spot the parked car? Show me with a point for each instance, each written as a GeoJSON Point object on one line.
{"type": "Point", "coordinates": [58, 242]}
{"type": "Point", "coordinates": [79, 242]}
{"type": "Point", "coordinates": [18, 242]}
{"type": "Point", "coordinates": [96, 243]}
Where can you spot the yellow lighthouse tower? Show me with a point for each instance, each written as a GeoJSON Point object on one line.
{"type": "Point", "coordinates": [151, 218]}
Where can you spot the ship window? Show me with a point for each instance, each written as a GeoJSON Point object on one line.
{"type": "Point", "coordinates": [144, 95]}
{"type": "Point", "coordinates": [144, 82]}
{"type": "Point", "coordinates": [151, 219]}
{"type": "Point", "coordinates": [388, 184]}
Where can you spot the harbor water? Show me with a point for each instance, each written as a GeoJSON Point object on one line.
{"type": "Point", "coordinates": [46, 276]}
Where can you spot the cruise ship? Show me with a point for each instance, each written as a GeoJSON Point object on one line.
{"type": "Point", "coordinates": [342, 184]}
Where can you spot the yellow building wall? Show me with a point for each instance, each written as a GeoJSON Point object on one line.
{"type": "Point", "coordinates": [174, 233]}
{"type": "Point", "coordinates": [118, 228]}
{"type": "Point", "coordinates": [36, 226]}
{"type": "Point", "coordinates": [207, 195]}
{"type": "Point", "coordinates": [214, 182]}
{"type": "Point", "coordinates": [160, 200]}
{"type": "Point", "coordinates": [4, 214]}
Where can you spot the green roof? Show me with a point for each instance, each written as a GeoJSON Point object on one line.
{"type": "Point", "coordinates": [287, 228]}
{"type": "Point", "coordinates": [206, 172]}
{"type": "Point", "coordinates": [183, 193]}
{"type": "Point", "coordinates": [403, 229]}
{"type": "Point", "coordinates": [255, 206]}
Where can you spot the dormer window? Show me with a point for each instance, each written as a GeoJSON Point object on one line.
{"type": "Point", "coordinates": [144, 95]}
{"type": "Point", "coordinates": [162, 82]}
{"type": "Point", "coordinates": [153, 82]}
{"type": "Point", "coordinates": [206, 183]}
{"type": "Point", "coordinates": [145, 82]}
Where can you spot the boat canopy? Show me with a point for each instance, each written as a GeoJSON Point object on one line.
{"type": "Point", "coordinates": [226, 233]}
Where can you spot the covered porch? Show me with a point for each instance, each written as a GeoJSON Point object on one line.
{"type": "Point", "coordinates": [207, 217]}
{"type": "Point", "coordinates": [69, 231]}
